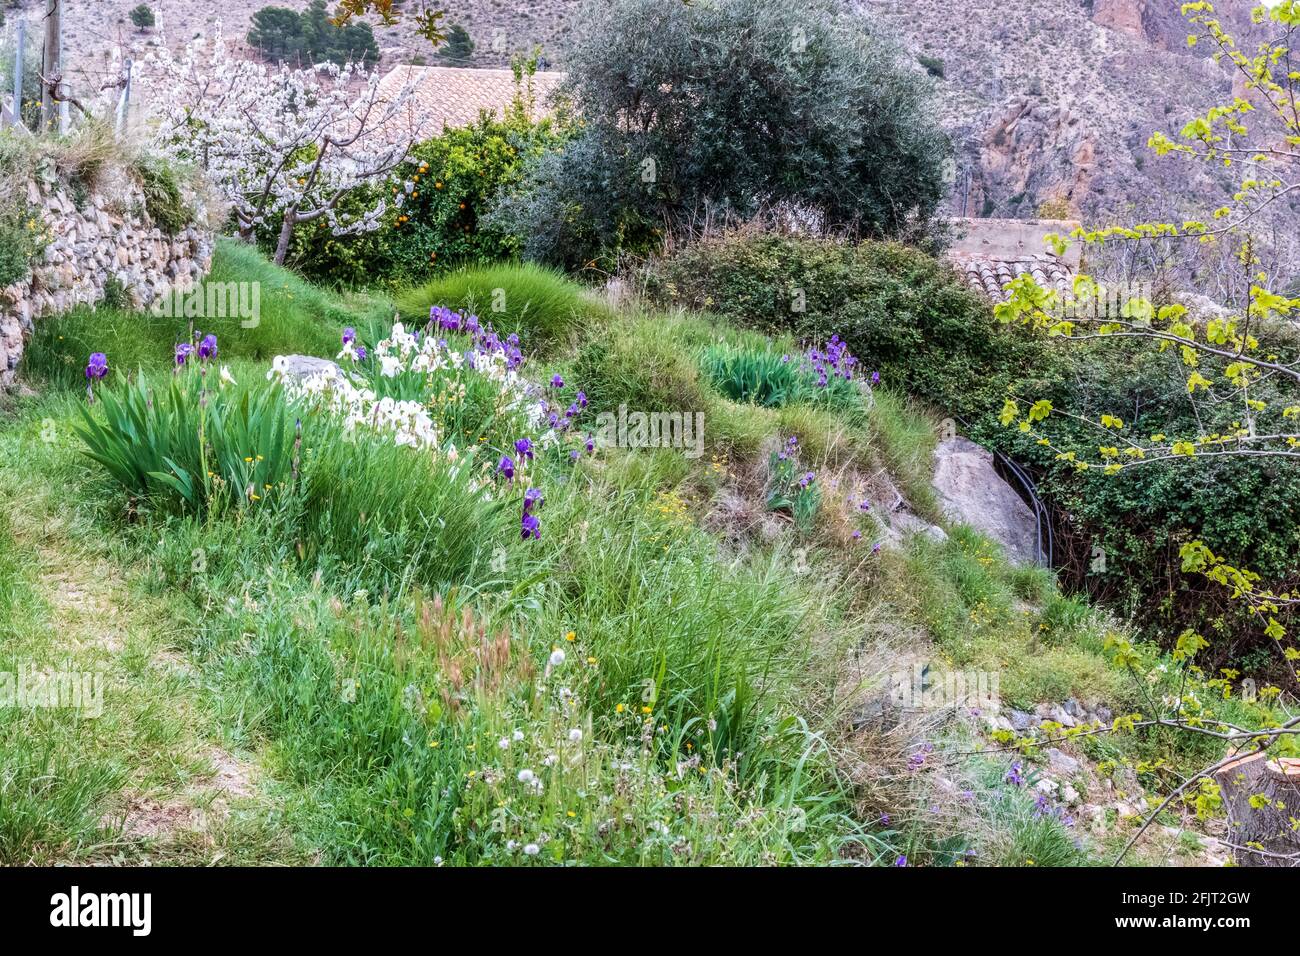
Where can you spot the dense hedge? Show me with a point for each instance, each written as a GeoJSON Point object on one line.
{"type": "Point", "coordinates": [910, 316]}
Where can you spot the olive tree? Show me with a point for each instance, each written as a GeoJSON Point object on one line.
{"type": "Point", "coordinates": [729, 107]}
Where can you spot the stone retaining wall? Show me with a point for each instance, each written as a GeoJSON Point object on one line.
{"type": "Point", "coordinates": [105, 238]}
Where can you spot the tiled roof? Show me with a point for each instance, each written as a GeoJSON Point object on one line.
{"type": "Point", "coordinates": [990, 275]}
{"type": "Point", "coordinates": [445, 96]}
{"type": "Point", "coordinates": [989, 253]}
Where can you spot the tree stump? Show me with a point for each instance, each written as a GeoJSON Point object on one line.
{"type": "Point", "coordinates": [1265, 835]}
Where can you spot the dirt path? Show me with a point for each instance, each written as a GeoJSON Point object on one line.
{"type": "Point", "coordinates": [184, 798]}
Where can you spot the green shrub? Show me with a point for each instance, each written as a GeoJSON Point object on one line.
{"type": "Point", "coordinates": [447, 185]}
{"type": "Point", "coordinates": [900, 310]}
{"type": "Point", "coordinates": [162, 196]}
{"type": "Point", "coordinates": [22, 239]}
{"type": "Point", "coordinates": [723, 113]}
{"type": "Point", "coordinates": [540, 305]}
{"type": "Point", "coordinates": [933, 65]}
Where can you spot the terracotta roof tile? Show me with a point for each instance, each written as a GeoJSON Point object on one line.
{"type": "Point", "coordinates": [990, 274]}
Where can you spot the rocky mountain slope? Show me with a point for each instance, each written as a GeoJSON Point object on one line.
{"type": "Point", "coordinates": [1053, 101]}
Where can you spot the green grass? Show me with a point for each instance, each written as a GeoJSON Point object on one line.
{"type": "Point", "coordinates": [293, 316]}
{"type": "Point", "coordinates": [371, 637]}
{"type": "Point", "coordinates": [81, 786]}
{"type": "Point", "coordinates": [540, 305]}
{"type": "Point", "coordinates": [972, 603]}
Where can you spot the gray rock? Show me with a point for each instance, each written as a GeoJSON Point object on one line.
{"type": "Point", "coordinates": [971, 492]}
{"type": "Point", "coordinates": [1062, 763]}
{"type": "Point", "coordinates": [1061, 717]}
{"type": "Point", "coordinates": [1020, 720]}
{"type": "Point", "coordinates": [303, 366]}
{"type": "Point", "coordinates": [904, 524]}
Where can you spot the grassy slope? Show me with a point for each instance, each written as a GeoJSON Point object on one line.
{"type": "Point", "coordinates": [152, 772]}
{"type": "Point", "coordinates": [314, 668]}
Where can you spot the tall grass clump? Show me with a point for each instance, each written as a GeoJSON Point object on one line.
{"type": "Point", "coordinates": [538, 304]}
{"type": "Point", "coordinates": [639, 365]}
{"type": "Point", "coordinates": [386, 518]}
{"type": "Point", "coordinates": [772, 380]}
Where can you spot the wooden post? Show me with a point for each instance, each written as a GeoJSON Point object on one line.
{"type": "Point", "coordinates": [21, 39]}
{"type": "Point", "coordinates": [50, 67]}
{"type": "Point", "coordinates": [124, 104]}
{"type": "Point", "coordinates": [1264, 835]}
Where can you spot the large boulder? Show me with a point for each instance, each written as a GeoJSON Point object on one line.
{"type": "Point", "coordinates": [971, 492]}
{"type": "Point", "coordinates": [299, 367]}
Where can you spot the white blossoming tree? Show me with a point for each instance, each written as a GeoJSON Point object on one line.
{"type": "Point", "coordinates": [278, 143]}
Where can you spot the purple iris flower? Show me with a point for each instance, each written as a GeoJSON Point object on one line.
{"type": "Point", "coordinates": [556, 381]}
{"type": "Point", "coordinates": [183, 351]}
{"type": "Point", "coordinates": [1014, 776]}
{"type": "Point", "coordinates": [875, 378]}
{"type": "Point", "coordinates": [97, 367]}
{"type": "Point", "coordinates": [591, 443]}
{"type": "Point", "coordinates": [208, 347]}
{"type": "Point", "coordinates": [361, 353]}
{"type": "Point", "coordinates": [349, 335]}
{"type": "Point", "coordinates": [582, 399]}
{"type": "Point", "coordinates": [530, 527]}
{"type": "Point", "coordinates": [901, 861]}
{"type": "Point", "coordinates": [506, 467]}
{"type": "Point", "coordinates": [533, 499]}
{"type": "Point", "coordinates": [524, 447]}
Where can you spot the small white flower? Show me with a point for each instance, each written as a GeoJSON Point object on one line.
{"type": "Point", "coordinates": [532, 849]}
{"type": "Point", "coordinates": [526, 776]}
{"type": "Point", "coordinates": [518, 735]}
{"type": "Point", "coordinates": [557, 657]}
{"type": "Point", "coordinates": [575, 736]}
{"type": "Point", "coordinates": [511, 845]}
{"type": "Point", "coordinates": [550, 761]}
{"type": "Point", "coordinates": [504, 743]}
{"type": "Point", "coordinates": [226, 377]}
